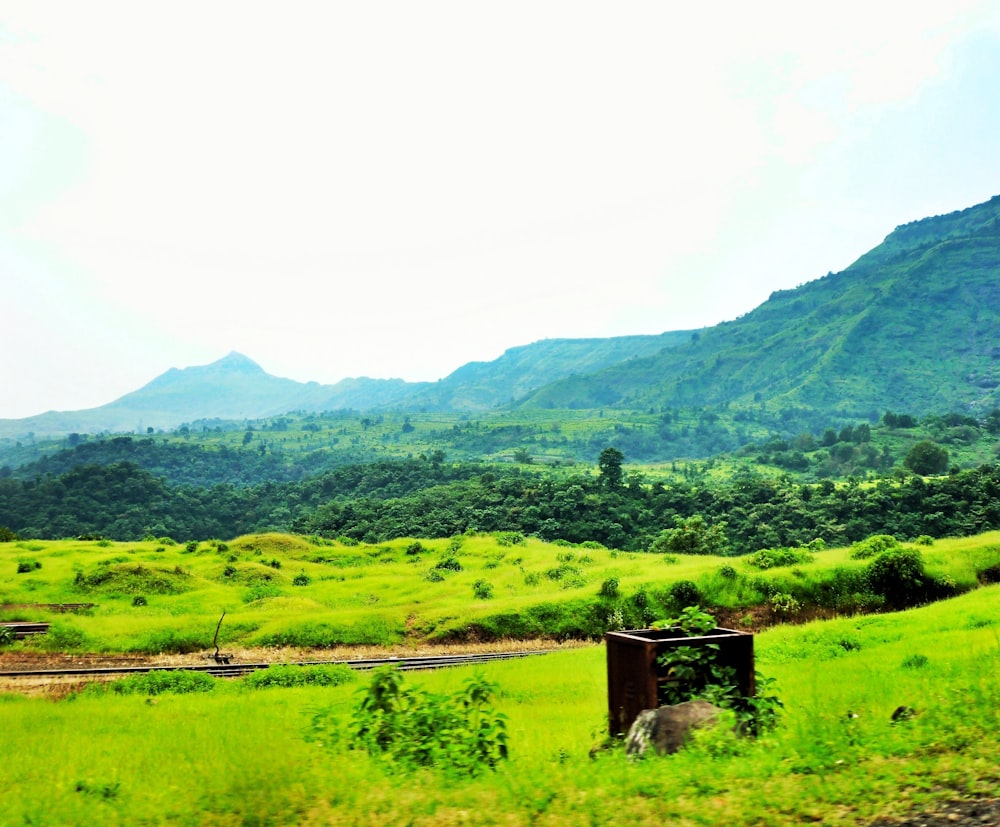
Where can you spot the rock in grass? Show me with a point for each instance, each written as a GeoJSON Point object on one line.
{"type": "Point", "coordinates": [668, 728]}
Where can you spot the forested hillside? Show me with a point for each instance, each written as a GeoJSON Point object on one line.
{"type": "Point", "coordinates": [431, 498]}
{"type": "Point", "coordinates": [913, 324]}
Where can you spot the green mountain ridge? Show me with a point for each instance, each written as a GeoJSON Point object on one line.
{"type": "Point", "coordinates": [913, 324]}
{"type": "Point", "coordinates": [236, 388]}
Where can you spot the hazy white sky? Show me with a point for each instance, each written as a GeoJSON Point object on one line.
{"type": "Point", "coordinates": [393, 189]}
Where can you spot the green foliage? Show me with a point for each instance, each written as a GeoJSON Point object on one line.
{"type": "Point", "coordinates": [157, 682]}
{"type": "Point", "coordinates": [482, 590]}
{"type": "Point", "coordinates": [7, 536]}
{"type": "Point", "coordinates": [7, 636]}
{"type": "Point", "coordinates": [898, 575]}
{"type": "Point", "coordinates": [286, 675]}
{"type": "Point", "coordinates": [460, 733]}
{"type": "Point", "coordinates": [784, 604]}
{"type": "Point", "coordinates": [301, 579]}
{"type": "Point", "coordinates": [510, 538]}
{"type": "Point", "coordinates": [873, 545]}
{"type": "Point", "coordinates": [769, 558]}
{"type": "Point", "coordinates": [27, 566]}
{"type": "Point", "coordinates": [692, 535]}
{"type": "Point", "coordinates": [610, 589]}
{"type": "Point", "coordinates": [610, 464]}
{"type": "Point", "coordinates": [684, 593]}
{"type": "Point", "coordinates": [690, 672]}
{"type": "Point", "coordinates": [926, 458]}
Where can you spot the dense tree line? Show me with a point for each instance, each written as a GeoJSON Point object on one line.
{"type": "Point", "coordinates": [430, 498]}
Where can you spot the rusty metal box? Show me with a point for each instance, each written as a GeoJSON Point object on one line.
{"type": "Point", "coordinates": [635, 678]}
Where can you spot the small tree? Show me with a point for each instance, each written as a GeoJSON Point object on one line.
{"type": "Point", "coordinates": [927, 457]}
{"type": "Point", "coordinates": [692, 536]}
{"type": "Point", "coordinates": [610, 463]}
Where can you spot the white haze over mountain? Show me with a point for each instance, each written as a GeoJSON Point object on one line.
{"type": "Point", "coordinates": [393, 189]}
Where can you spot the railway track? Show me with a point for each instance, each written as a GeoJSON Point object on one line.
{"type": "Point", "coordinates": [236, 670]}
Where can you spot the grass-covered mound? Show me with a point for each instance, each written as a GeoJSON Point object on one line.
{"type": "Point", "coordinates": [281, 590]}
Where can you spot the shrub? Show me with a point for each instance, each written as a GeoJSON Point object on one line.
{"type": "Point", "coordinates": [898, 575]}
{"type": "Point", "coordinates": [460, 733]}
{"type": "Point", "coordinates": [784, 604]}
{"type": "Point", "coordinates": [727, 573]}
{"type": "Point", "coordinates": [139, 600]}
{"type": "Point", "coordinates": [684, 593]}
{"type": "Point", "coordinates": [285, 675]}
{"type": "Point", "coordinates": [414, 548]}
{"type": "Point", "coordinates": [873, 545]}
{"type": "Point", "coordinates": [924, 540]}
{"type": "Point", "coordinates": [482, 590]}
{"type": "Point", "coordinates": [301, 579]}
{"type": "Point", "coordinates": [158, 682]}
{"type": "Point", "coordinates": [449, 563]}
{"type": "Point", "coordinates": [610, 589]}
{"type": "Point", "coordinates": [695, 672]}
{"type": "Point", "coordinates": [769, 558]}
{"type": "Point", "coordinates": [510, 538]}
{"type": "Point", "coordinates": [7, 636]}
{"type": "Point", "coordinates": [27, 566]}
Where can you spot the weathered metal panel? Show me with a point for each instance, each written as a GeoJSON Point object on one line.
{"type": "Point", "coordinates": [635, 678]}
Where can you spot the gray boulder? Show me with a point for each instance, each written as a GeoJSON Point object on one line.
{"type": "Point", "coordinates": [668, 728]}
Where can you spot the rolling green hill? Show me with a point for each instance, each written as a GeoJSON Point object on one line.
{"type": "Point", "coordinates": [913, 324]}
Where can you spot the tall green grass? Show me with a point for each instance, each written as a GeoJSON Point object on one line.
{"type": "Point", "coordinates": [237, 755]}
{"type": "Point", "coordinates": [280, 590]}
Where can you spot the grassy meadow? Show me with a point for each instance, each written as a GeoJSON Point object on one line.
{"type": "Point", "coordinates": [157, 596]}
{"type": "Point", "coordinates": [242, 755]}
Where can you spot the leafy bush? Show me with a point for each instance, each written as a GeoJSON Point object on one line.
{"type": "Point", "coordinates": [285, 675]}
{"type": "Point", "coordinates": [510, 538]}
{"type": "Point", "coordinates": [610, 589]}
{"type": "Point", "coordinates": [482, 590]}
{"type": "Point", "coordinates": [460, 734]}
{"type": "Point", "coordinates": [27, 566]}
{"type": "Point", "coordinates": [769, 558]}
{"type": "Point", "coordinates": [692, 672]}
{"type": "Point", "coordinates": [7, 636]}
{"type": "Point", "coordinates": [727, 573]}
{"type": "Point", "coordinates": [301, 579]}
{"type": "Point", "coordinates": [157, 682]}
{"type": "Point", "coordinates": [873, 545]}
{"type": "Point", "coordinates": [898, 575]}
{"type": "Point", "coordinates": [414, 548]}
{"type": "Point", "coordinates": [449, 563]}
{"type": "Point", "coordinates": [684, 593]}
{"type": "Point", "coordinates": [692, 535]}
{"type": "Point", "coordinates": [784, 604]}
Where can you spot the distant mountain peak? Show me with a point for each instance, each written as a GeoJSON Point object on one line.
{"type": "Point", "coordinates": [236, 361]}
